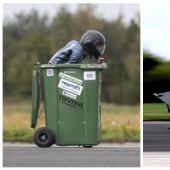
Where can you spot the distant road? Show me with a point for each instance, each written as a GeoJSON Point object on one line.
{"type": "Point", "coordinates": [156, 144]}
{"type": "Point", "coordinates": [55, 156]}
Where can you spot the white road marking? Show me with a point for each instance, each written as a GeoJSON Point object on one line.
{"type": "Point", "coordinates": [156, 122]}
{"type": "Point", "coordinates": [156, 159]}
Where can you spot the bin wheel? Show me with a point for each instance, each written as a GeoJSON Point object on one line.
{"type": "Point", "coordinates": [87, 146]}
{"type": "Point", "coordinates": [44, 137]}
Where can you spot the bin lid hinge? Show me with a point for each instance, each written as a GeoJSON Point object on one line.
{"type": "Point", "coordinates": [41, 111]}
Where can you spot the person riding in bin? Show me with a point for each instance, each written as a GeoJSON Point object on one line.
{"type": "Point", "coordinates": [92, 43]}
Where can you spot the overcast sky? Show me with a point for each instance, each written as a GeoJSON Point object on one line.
{"type": "Point", "coordinates": [156, 28]}
{"type": "Point", "coordinates": [108, 11]}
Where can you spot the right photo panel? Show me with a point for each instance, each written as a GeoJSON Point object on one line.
{"type": "Point", "coordinates": [156, 84]}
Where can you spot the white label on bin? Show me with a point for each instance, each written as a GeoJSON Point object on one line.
{"type": "Point", "coordinates": [70, 86]}
{"type": "Point", "coordinates": [71, 95]}
{"type": "Point", "coordinates": [70, 78]}
{"type": "Point", "coordinates": [89, 75]}
{"type": "Point", "coordinates": [50, 72]}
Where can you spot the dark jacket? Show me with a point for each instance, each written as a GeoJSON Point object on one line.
{"type": "Point", "coordinates": [73, 52]}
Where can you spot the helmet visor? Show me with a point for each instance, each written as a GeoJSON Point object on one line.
{"type": "Point", "coordinates": [101, 48]}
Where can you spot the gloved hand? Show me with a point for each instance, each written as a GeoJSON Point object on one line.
{"type": "Point", "coordinates": [100, 60]}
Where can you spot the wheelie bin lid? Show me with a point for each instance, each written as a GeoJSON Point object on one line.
{"type": "Point", "coordinates": [165, 97]}
{"type": "Point", "coordinates": [82, 66]}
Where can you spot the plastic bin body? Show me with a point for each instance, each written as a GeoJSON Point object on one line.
{"type": "Point", "coordinates": [72, 102]}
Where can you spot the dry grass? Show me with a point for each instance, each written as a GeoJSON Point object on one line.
{"type": "Point", "coordinates": [120, 123]}
{"type": "Point", "coordinates": [114, 115]}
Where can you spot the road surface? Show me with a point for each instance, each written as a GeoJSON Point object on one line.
{"type": "Point", "coordinates": [103, 155]}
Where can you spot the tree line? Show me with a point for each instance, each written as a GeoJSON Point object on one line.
{"type": "Point", "coordinates": [156, 76]}
{"type": "Point", "coordinates": [29, 38]}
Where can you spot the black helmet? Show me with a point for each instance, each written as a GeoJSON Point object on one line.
{"type": "Point", "coordinates": [94, 42]}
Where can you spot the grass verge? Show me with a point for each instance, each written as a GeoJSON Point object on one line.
{"type": "Point", "coordinates": [118, 123]}
{"type": "Point", "coordinates": [155, 111]}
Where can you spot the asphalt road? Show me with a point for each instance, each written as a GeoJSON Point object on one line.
{"type": "Point", "coordinates": [56, 156]}
{"type": "Point", "coordinates": [156, 144]}
{"type": "Point", "coordinates": [156, 136]}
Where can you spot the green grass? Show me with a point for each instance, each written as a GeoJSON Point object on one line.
{"type": "Point", "coordinates": [118, 123]}
{"type": "Point", "coordinates": [155, 111]}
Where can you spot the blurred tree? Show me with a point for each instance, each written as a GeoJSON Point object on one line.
{"type": "Point", "coordinates": [132, 63]}
{"type": "Point", "coordinates": [124, 62]}
{"type": "Point", "coordinates": [149, 61]}
{"type": "Point", "coordinates": [25, 42]}
{"type": "Point", "coordinates": [156, 77]}
{"type": "Point", "coordinates": [61, 29]}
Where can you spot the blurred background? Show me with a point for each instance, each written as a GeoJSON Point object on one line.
{"type": "Point", "coordinates": [34, 32]}
{"type": "Point", "coordinates": [156, 51]}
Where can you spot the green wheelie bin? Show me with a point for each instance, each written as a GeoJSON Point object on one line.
{"type": "Point", "coordinates": [71, 96]}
